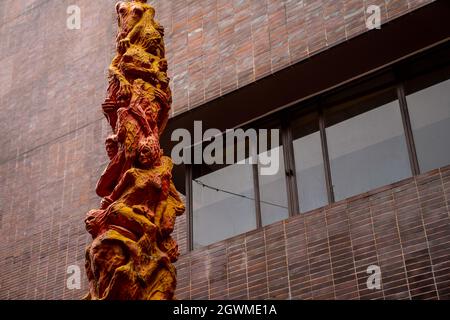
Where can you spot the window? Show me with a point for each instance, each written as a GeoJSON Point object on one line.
{"type": "Point", "coordinates": [309, 165]}
{"type": "Point", "coordinates": [231, 200]}
{"type": "Point", "coordinates": [223, 204]}
{"type": "Point", "coordinates": [367, 134]}
{"type": "Point", "coordinates": [367, 150]}
{"type": "Point", "coordinates": [429, 110]}
{"type": "Point", "coordinates": [272, 189]}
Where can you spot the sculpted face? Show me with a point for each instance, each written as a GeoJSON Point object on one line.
{"type": "Point", "coordinates": [92, 222]}
{"type": "Point", "coordinates": [129, 14]}
{"type": "Point", "coordinates": [111, 150]}
{"type": "Point", "coordinates": [149, 152]}
{"type": "Point", "coordinates": [112, 146]}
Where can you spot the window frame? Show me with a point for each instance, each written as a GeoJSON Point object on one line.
{"type": "Point", "coordinates": [391, 78]}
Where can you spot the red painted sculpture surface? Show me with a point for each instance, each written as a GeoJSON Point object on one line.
{"type": "Point", "coordinates": [132, 253]}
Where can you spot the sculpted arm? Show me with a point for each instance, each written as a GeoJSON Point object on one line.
{"type": "Point", "coordinates": [118, 190]}
{"type": "Point", "coordinates": [115, 73]}
{"type": "Point", "coordinates": [114, 69]}
{"type": "Point", "coordinates": [123, 184]}
{"type": "Point", "coordinates": [110, 176]}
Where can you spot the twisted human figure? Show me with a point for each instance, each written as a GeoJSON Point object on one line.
{"type": "Point", "coordinates": [132, 253]}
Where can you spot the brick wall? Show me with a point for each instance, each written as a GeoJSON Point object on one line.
{"type": "Point", "coordinates": [53, 81]}
{"type": "Point", "coordinates": [324, 254]}
{"type": "Point", "coordinates": [51, 132]}
{"type": "Point", "coordinates": [217, 46]}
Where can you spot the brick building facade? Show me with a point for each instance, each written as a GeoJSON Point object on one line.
{"type": "Point", "coordinates": [52, 131]}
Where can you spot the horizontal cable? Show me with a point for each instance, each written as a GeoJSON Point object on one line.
{"type": "Point", "coordinates": [236, 194]}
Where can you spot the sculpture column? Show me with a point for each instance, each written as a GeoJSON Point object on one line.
{"type": "Point", "coordinates": [132, 253]}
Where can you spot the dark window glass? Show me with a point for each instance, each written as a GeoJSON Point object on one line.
{"type": "Point", "coordinates": [367, 150]}
{"type": "Point", "coordinates": [429, 111]}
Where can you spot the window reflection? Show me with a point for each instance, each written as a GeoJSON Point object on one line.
{"type": "Point", "coordinates": [272, 188]}
{"type": "Point", "coordinates": [429, 111]}
{"type": "Point", "coordinates": [312, 192]}
{"type": "Point", "coordinates": [223, 204]}
{"type": "Point", "coordinates": [309, 165]}
{"type": "Point", "coordinates": [368, 150]}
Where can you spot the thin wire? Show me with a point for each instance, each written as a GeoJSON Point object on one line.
{"type": "Point", "coordinates": [236, 194]}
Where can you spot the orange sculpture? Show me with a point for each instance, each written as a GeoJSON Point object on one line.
{"type": "Point", "coordinates": [132, 253]}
